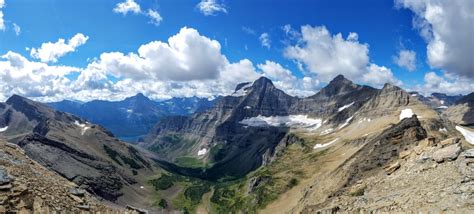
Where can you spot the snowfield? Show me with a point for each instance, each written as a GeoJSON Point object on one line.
{"type": "Point", "coordinates": [468, 135]}
{"type": "Point", "coordinates": [293, 121]}
{"type": "Point", "coordinates": [406, 113]}
{"type": "Point", "coordinates": [242, 91]}
{"type": "Point", "coordinates": [202, 152]}
{"type": "Point", "coordinates": [317, 146]}
{"type": "Point", "coordinates": [3, 129]}
{"type": "Point", "coordinates": [344, 107]}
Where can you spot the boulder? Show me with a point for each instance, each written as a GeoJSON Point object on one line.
{"type": "Point", "coordinates": [448, 153]}
{"type": "Point", "coordinates": [404, 154]}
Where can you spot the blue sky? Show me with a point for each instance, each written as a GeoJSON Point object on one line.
{"type": "Point", "coordinates": [385, 27]}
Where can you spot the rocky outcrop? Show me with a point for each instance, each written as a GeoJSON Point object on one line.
{"type": "Point", "coordinates": [27, 187]}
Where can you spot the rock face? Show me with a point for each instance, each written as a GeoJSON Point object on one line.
{"type": "Point", "coordinates": [84, 153]}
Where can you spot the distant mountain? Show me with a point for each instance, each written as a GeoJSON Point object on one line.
{"type": "Point", "coordinates": [437, 101]}
{"type": "Point", "coordinates": [133, 117]}
{"type": "Point", "coordinates": [463, 111]}
{"type": "Point", "coordinates": [243, 130]}
{"type": "Point", "coordinates": [82, 152]}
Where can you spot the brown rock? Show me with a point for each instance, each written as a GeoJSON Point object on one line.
{"type": "Point", "coordinates": [404, 154]}
{"type": "Point", "coordinates": [449, 141]}
{"type": "Point", "coordinates": [448, 153]}
{"type": "Point", "coordinates": [392, 168]}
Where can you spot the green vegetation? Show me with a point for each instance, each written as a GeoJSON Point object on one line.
{"type": "Point", "coordinates": [112, 154]}
{"type": "Point", "coordinates": [163, 204]}
{"type": "Point", "coordinates": [235, 195]}
{"type": "Point", "coordinates": [164, 182]}
{"type": "Point", "coordinates": [115, 155]}
{"type": "Point", "coordinates": [189, 162]}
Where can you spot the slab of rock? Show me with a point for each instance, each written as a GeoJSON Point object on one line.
{"type": "Point", "coordinates": [404, 154]}
{"type": "Point", "coordinates": [469, 153]}
{"type": "Point", "coordinates": [392, 168]}
{"type": "Point", "coordinates": [448, 153]}
{"type": "Point", "coordinates": [450, 141]}
{"type": "Point", "coordinates": [77, 192]}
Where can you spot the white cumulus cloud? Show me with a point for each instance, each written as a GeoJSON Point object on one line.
{"type": "Point", "coordinates": [51, 52]}
{"type": "Point", "coordinates": [128, 6]}
{"type": "Point", "coordinates": [319, 52]}
{"type": "Point", "coordinates": [17, 29]}
{"type": "Point", "coordinates": [447, 27]}
{"type": "Point", "coordinates": [406, 59]}
{"type": "Point", "coordinates": [211, 7]}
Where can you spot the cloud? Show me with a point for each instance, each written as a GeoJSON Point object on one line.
{"type": "Point", "coordinates": [379, 75]}
{"type": "Point", "coordinates": [406, 59]}
{"type": "Point", "coordinates": [17, 29]}
{"type": "Point", "coordinates": [319, 52]}
{"type": "Point", "coordinates": [51, 52]}
{"type": "Point", "coordinates": [131, 6]}
{"type": "Point", "coordinates": [211, 7]}
{"type": "Point", "coordinates": [2, 21]}
{"type": "Point", "coordinates": [248, 30]}
{"type": "Point", "coordinates": [127, 6]}
{"type": "Point", "coordinates": [18, 75]}
{"type": "Point", "coordinates": [447, 28]}
{"type": "Point", "coordinates": [155, 17]}
{"type": "Point", "coordinates": [265, 40]}
{"type": "Point", "coordinates": [447, 84]}
{"type": "Point", "coordinates": [187, 64]}
{"type": "Point", "coordinates": [285, 80]}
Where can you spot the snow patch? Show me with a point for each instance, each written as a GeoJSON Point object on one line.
{"type": "Point", "coordinates": [406, 113]}
{"type": "Point", "coordinates": [247, 107]}
{"type": "Point", "coordinates": [3, 129]}
{"type": "Point", "coordinates": [442, 107]}
{"type": "Point", "coordinates": [346, 123]}
{"type": "Point", "coordinates": [317, 146]}
{"type": "Point", "coordinates": [364, 120]}
{"type": "Point", "coordinates": [202, 152]}
{"type": "Point", "coordinates": [327, 131]}
{"type": "Point", "coordinates": [344, 107]}
{"type": "Point", "coordinates": [129, 110]}
{"type": "Point", "coordinates": [293, 121]}
{"type": "Point", "coordinates": [83, 126]}
{"type": "Point", "coordinates": [242, 91]}
{"type": "Point", "coordinates": [468, 135]}
{"type": "Point", "coordinates": [443, 130]}
{"type": "Point", "coordinates": [414, 95]}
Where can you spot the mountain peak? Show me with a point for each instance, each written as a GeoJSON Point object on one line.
{"type": "Point", "coordinates": [262, 82]}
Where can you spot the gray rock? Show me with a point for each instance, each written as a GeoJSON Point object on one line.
{"type": "Point", "coordinates": [5, 178]}
{"type": "Point", "coordinates": [77, 192]}
{"type": "Point", "coordinates": [448, 153]}
{"type": "Point", "coordinates": [469, 153]}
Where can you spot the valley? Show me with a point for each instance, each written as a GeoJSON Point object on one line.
{"type": "Point", "coordinates": [346, 148]}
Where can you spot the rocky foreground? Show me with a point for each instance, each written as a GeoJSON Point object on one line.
{"type": "Point", "coordinates": [26, 187]}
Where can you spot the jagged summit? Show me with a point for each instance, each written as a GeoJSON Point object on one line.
{"type": "Point", "coordinates": [241, 85]}
{"type": "Point", "coordinates": [262, 82]}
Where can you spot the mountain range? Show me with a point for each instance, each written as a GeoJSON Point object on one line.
{"type": "Point", "coordinates": [133, 117]}
{"type": "Point", "coordinates": [347, 148]}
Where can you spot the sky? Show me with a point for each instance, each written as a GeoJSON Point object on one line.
{"type": "Point", "coordinates": [52, 50]}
